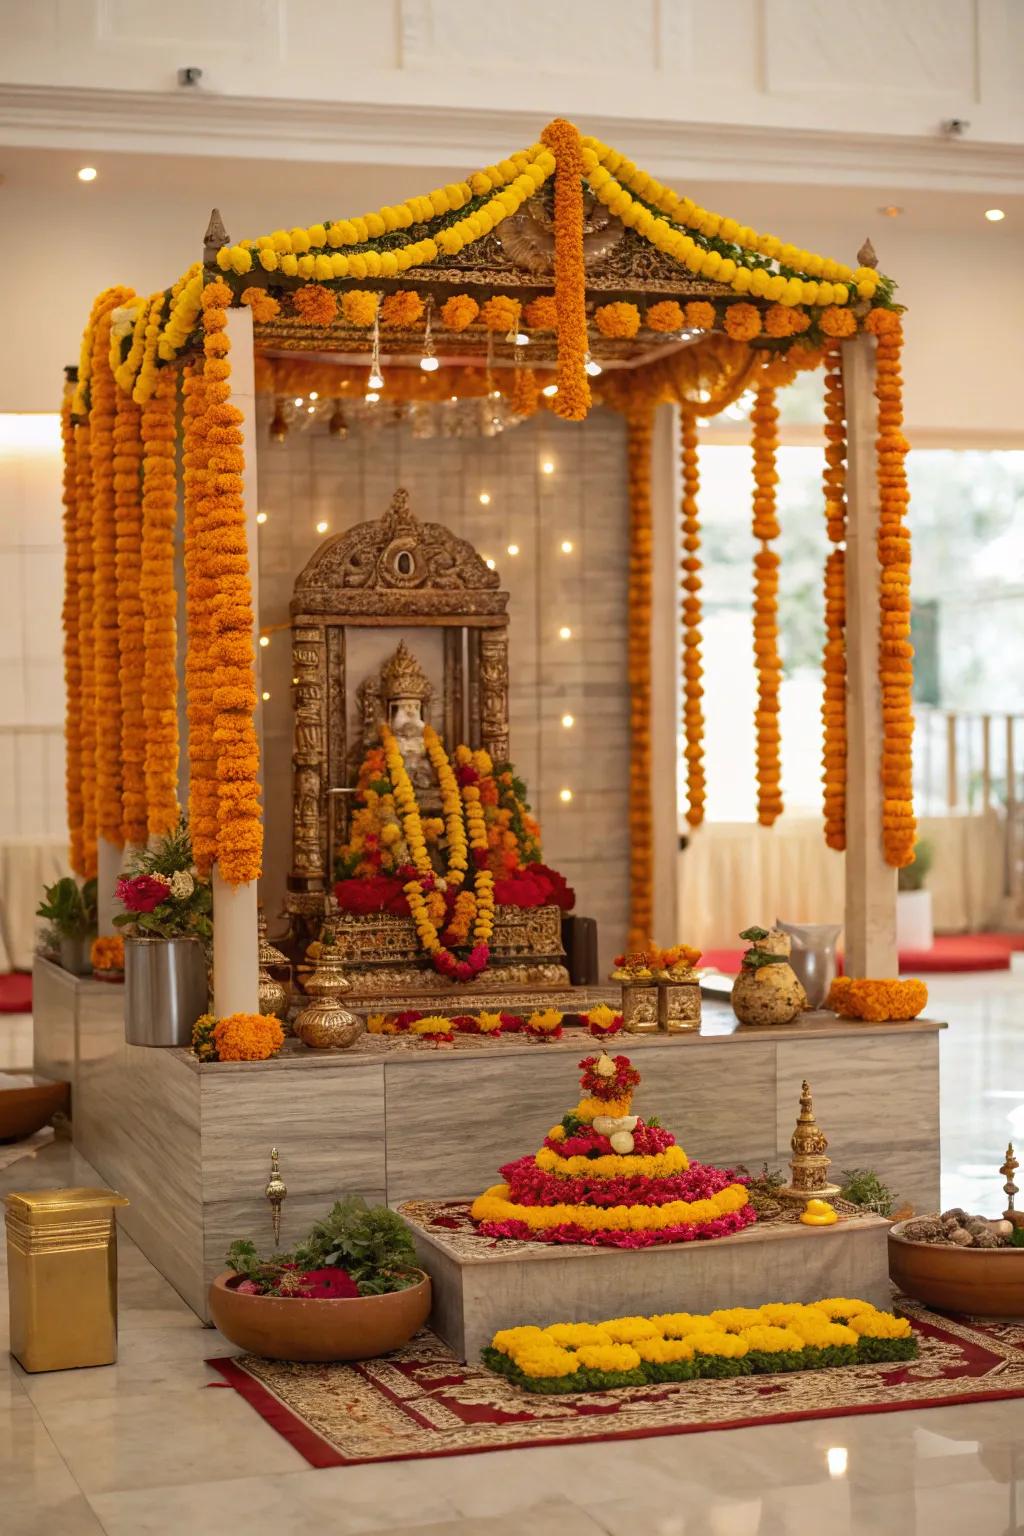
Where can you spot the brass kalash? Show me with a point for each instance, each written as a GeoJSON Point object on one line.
{"type": "Point", "coordinates": [390, 602]}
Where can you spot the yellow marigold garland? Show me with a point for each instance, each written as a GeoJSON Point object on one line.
{"type": "Point", "coordinates": [130, 616]}
{"type": "Point", "coordinates": [106, 647]}
{"type": "Point", "coordinates": [764, 417]}
{"type": "Point", "coordinates": [639, 671]}
{"type": "Point", "coordinates": [573, 399]}
{"type": "Point", "coordinates": [201, 569]}
{"type": "Point", "coordinates": [899, 827]}
{"type": "Point", "coordinates": [692, 670]}
{"type": "Point", "coordinates": [833, 706]}
{"type": "Point", "coordinates": [359, 306]}
{"type": "Point", "coordinates": [159, 604]}
{"type": "Point", "coordinates": [459, 312]}
{"type": "Point", "coordinates": [240, 834]}
{"type": "Point", "coordinates": [145, 381]}
{"type": "Point", "coordinates": [72, 652]}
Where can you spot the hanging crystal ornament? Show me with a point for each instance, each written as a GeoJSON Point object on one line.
{"type": "Point", "coordinates": [375, 382]}
{"type": "Point", "coordinates": [428, 362]}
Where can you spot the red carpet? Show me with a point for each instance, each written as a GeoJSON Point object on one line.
{"type": "Point", "coordinates": [951, 952]}
{"type": "Point", "coordinates": [16, 992]}
{"type": "Point", "coordinates": [420, 1401]}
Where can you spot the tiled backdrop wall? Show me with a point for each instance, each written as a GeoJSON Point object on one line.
{"type": "Point", "coordinates": [581, 503]}
{"type": "Point", "coordinates": [31, 639]}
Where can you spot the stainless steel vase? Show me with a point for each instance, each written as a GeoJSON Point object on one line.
{"type": "Point", "coordinates": [165, 990]}
{"type": "Point", "coordinates": [813, 957]}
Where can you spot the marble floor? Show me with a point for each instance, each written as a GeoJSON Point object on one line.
{"type": "Point", "coordinates": [144, 1449]}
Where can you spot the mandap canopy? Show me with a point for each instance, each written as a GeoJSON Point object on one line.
{"type": "Point", "coordinates": [629, 296]}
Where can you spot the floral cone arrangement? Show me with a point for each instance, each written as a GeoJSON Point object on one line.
{"type": "Point", "coordinates": [681, 1346]}
{"type": "Point", "coordinates": [605, 1177]}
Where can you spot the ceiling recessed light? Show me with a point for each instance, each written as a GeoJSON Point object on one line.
{"type": "Point", "coordinates": [313, 395]}
{"type": "Point", "coordinates": [266, 695]}
{"type": "Point", "coordinates": [565, 633]}
{"type": "Point", "coordinates": [322, 527]}
{"type": "Point", "coordinates": [513, 549]}
{"type": "Point", "coordinates": [300, 400]}
{"type": "Point", "coordinates": [87, 173]}
{"type": "Point", "coordinates": [565, 794]}
{"type": "Point", "coordinates": [994, 215]}
{"type": "Point", "coordinates": [264, 639]}
{"type": "Point", "coordinates": [891, 210]}
{"type": "Point", "coordinates": [547, 468]}
{"type": "Point", "coordinates": [485, 498]}
{"type": "Point", "coordinates": [567, 546]}
{"type": "Point", "coordinates": [568, 721]}
{"type": "Point", "coordinates": [261, 517]}
{"type": "Point", "coordinates": [490, 564]}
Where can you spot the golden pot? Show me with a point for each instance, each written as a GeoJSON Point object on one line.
{"type": "Point", "coordinates": [324, 1025]}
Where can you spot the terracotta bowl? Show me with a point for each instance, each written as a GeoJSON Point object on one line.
{"type": "Point", "coordinates": [985, 1282]}
{"type": "Point", "coordinates": [334, 1328]}
{"type": "Point", "coordinates": [27, 1103]}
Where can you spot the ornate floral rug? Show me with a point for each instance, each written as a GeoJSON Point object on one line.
{"type": "Point", "coordinates": [421, 1402]}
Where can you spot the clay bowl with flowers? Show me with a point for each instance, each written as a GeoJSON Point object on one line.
{"type": "Point", "coordinates": [351, 1291]}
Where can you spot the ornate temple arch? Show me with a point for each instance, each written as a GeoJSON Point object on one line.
{"type": "Point", "coordinates": [393, 573]}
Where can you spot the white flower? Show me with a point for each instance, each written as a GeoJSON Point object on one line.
{"type": "Point", "coordinates": [182, 885]}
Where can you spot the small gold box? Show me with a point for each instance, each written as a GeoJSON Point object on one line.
{"type": "Point", "coordinates": [640, 1007]}
{"type": "Point", "coordinates": [62, 1277]}
{"type": "Point", "coordinates": [679, 1006]}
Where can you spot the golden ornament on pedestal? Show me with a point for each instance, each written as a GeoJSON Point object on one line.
{"type": "Point", "coordinates": [273, 994]}
{"type": "Point", "coordinates": [679, 1003]}
{"type": "Point", "coordinates": [323, 1023]}
{"type": "Point", "coordinates": [809, 1164]}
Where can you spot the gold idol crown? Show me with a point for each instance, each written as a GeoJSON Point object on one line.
{"type": "Point", "coordinates": [403, 678]}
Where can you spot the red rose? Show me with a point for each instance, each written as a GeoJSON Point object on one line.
{"type": "Point", "coordinates": [143, 893]}
{"type": "Point", "coordinates": [328, 1282]}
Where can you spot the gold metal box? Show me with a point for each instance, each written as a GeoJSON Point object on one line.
{"type": "Point", "coordinates": [62, 1277]}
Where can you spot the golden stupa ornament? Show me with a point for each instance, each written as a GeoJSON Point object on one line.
{"type": "Point", "coordinates": [275, 1192]}
{"type": "Point", "coordinates": [324, 1023]}
{"type": "Point", "coordinates": [273, 994]}
{"type": "Point", "coordinates": [1010, 1189]}
{"type": "Point", "coordinates": [810, 1163]}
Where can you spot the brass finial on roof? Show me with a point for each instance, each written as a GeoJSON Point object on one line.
{"type": "Point", "coordinates": [866, 255]}
{"type": "Point", "coordinates": [216, 236]}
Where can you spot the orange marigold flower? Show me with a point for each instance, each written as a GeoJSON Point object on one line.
{"type": "Point", "coordinates": [107, 953]}
{"type": "Point", "coordinates": [402, 309]}
{"type": "Point", "coordinates": [541, 314]}
{"type": "Point", "coordinates": [700, 316]}
{"type": "Point", "coordinates": [666, 316]}
{"type": "Point", "coordinates": [247, 1037]}
{"type": "Point", "coordinates": [525, 396]}
{"type": "Point", "coordinates": [838, 322]}
{"type": "Point", "coordinates": [315, 304]}
{"type": "Point", "coordinates": [459, 312]}
{"type": "Point", "coordinates": [263, 304]}
{"type": "Point", "coordinates": [742, 322]}
{"type": "Point", "coordinates": [500, 314]}
{"type": "Point", "coordinates": [617, 319]}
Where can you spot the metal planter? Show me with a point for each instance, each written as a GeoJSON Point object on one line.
{"type": "Point", "coordinates": [165, 990]}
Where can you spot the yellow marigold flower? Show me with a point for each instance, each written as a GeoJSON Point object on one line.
{"type": "Point", "coordinates": [608, 1357]}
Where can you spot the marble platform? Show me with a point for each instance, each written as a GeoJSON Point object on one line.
{"type": "Point", "coordinates": [480, 1286]}
{"type": "Point", "coordinates": [189, 1142]}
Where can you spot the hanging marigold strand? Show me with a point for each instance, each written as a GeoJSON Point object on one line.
{"type": "Point", "coordinates": [106, 646]}
{"type": "Point", "coordinates": [131, 620]}
{"type": "Point", "coordinates": [766, 606]}
{"type": "Point", "coordinates": [72, 654]}
{"type": "Point", "coordinates": [833, 704]}
{"type": "Point", "coordinates": [693, 671]}
{"type": "Point", "coordinates": [226, 558]}
{"type": "Point", "coordinates": [573, 399]}
{"type": "Point", "coordinates": [895, 652]}
{"type": "Point", "coordinates": [86, 654]}
{"type": "Point", "coordinates": [639, 663]}
{"type": "Point", "coordinates": [200, 590]}
{"type": "Point", "coordinates": [159, 603]}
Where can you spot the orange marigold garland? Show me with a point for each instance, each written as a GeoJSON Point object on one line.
{"type": "Point", "coordinates": [240, 835]}
{"type": "Point", "coordinates": [84, 566]}
{"type": "Point", "coordinates": [315, 304]}
{"type": "Point", "coordinates": [639, 665]}
{"type": "Point", "coordinates": [201, 567]}
{"type": "Point", "coordinates": [525, 396]}
{"type": "Point", "coordinates": [896, 653]}
{"type": "Point", "coordinates": [693, 693]}
{"type": "Point", "coordinates": [159, 604]}
{"type": "Point", "coordinates": [106, 646]}
{"type": "Point", "coordinates": [541, 314]}
{"type": "Point", "coordinates": [72, 653]}
{"type": "Point", "coordinates": [459, 312]}
{"type": "Point", "coordinates": [766, 604]}
{"type": "Point", "coordinates": [665, 316]}
{"type": "Point", "coordinates": [500, 314]}
{"type": "Point", "coordinates": [573, 399]}
{"type": "Point", "coordinates": [130, 616]}
{"type": "Point", "coordinates": [617, 319]}
{"type": "Point", "coordinates": [833, 705]}
{"type": "Point", "coordinates": [263, 304]}
{"type": "Point", "coordinates": [402, 309]}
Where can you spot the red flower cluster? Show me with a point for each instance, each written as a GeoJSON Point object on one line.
{"type": "Point", "coordinates": [327, 1283]}
{"type": "Point", "coordinates": [143, 893]}
{"type": "Point", "coordinates": [534, 886]}
{"type": "Point", "coordinates": [376, 893]}
{"type": "Point", "coordinates": [648, 1141]}
{"type": "Point", "coordinates": [530, 1185]}
{"type": "Point", "coordinates": [686, 1232]}
{"type": "Point", "coordinates": [625, 1080]}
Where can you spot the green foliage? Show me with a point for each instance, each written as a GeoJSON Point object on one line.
{"type": "Point", "coordinates": [754, 959]}
{"type": "Point", "coordinates": [572, 1124]}
{"type": "Point", "coordinates": [371, 1242]}
{"type": "Point", "coordinates": [178, 916]}
{"type": "Point", "coordinates": [862, 1186]}
{"type": "Point", "coordinates": [70, 909]}
{"type": "Point", "coordinates": [1016, 1238]}
{"type": "Point", "coordinates": [913, 876]}
{"type": "Point", "coordinates": [754, 935]}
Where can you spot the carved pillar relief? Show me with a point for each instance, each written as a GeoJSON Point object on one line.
{"type": "Point", "coordinates": [308, 787]}
{"type": "Point", "coordinates": [494, 693]}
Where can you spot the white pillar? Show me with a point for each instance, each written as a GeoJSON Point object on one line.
{"type": "Point", "coordinates": [664, 663]}
{"type": "Point", "coordinates": [109, 863]}
{"type": "Point", "coordinates": [870, 944]}
{"type": "Point", "coordinates": [235, 939]}
{"type": "Point", "coordinates": [235, 948]}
